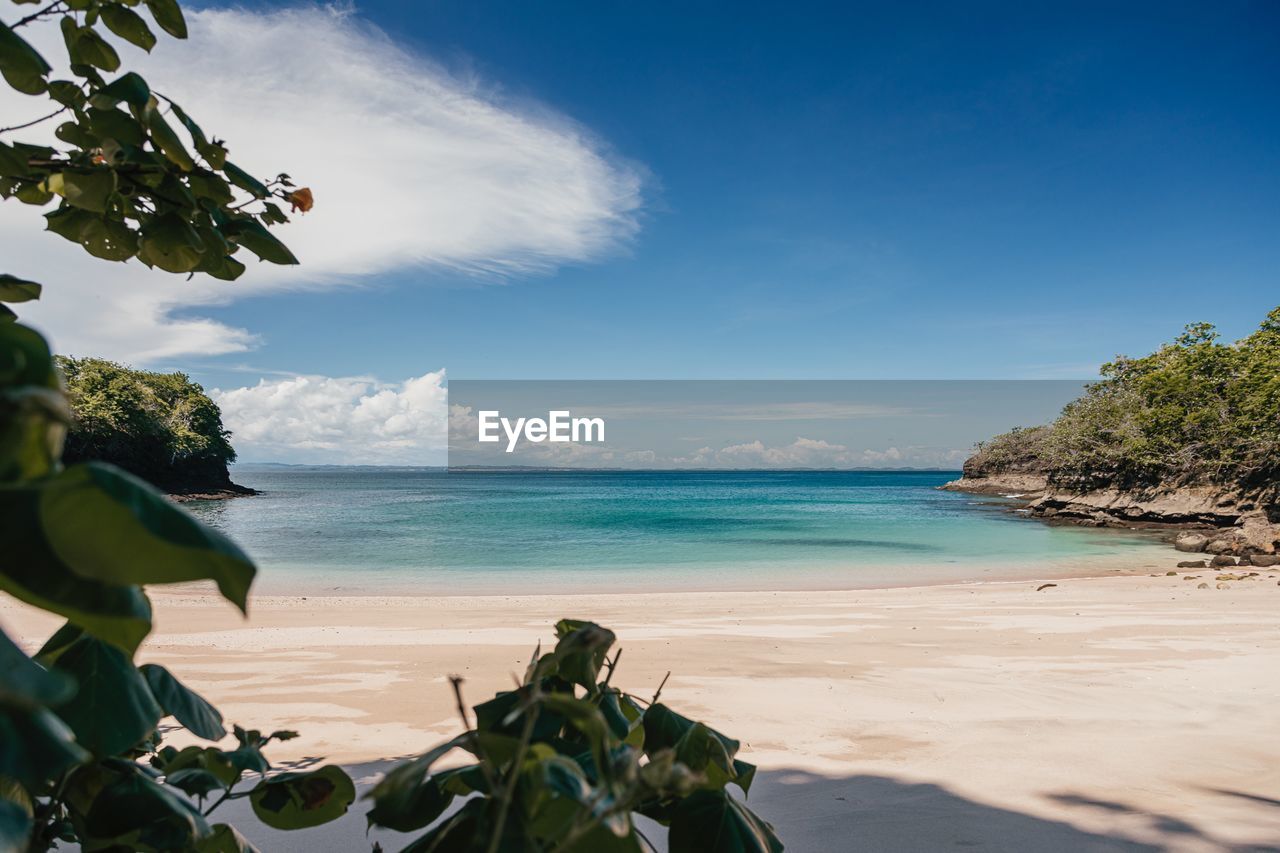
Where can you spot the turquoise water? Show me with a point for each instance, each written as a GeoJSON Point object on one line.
{"type": "Point", "coordinates": [378, 530]}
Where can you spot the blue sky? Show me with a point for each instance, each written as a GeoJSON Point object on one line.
{"type": "Point", "coordinates": [924, 190]}
{"type": "Point", "coordinates": [689, 191]}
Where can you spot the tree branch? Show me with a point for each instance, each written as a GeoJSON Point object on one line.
{"type": "Point", "coordinates": [34, 122]}
{"type": "Point", "coordinates": [36, 15]}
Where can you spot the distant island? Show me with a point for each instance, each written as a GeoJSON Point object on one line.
{"type": "Point", "coordinates": [1187, 437]}
{"type": "Point", "coordinates": [161, 427]}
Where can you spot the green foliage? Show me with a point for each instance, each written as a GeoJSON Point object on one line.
{"type": "Point", "coordinates": [160, 426]}
{"type": "Point", "coordinates": [1195, 412]}
{"type": "Point", "coordinates": [567, 761]}
{"type": "Point", "coordinates": [134, 175]}
{"type": "Point", "coordinates": [81, 759]}
{"type": "Point", "coordinates": [78, 718]}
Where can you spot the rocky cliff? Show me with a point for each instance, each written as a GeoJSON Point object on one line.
{"type": "Point", "coordinates": [1206, 519]}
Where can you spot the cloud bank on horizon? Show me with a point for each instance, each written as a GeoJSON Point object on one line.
{"type": "Point", "coordinates": [346, 421]}
{"type": "Point", "coordinates": [412, 166]}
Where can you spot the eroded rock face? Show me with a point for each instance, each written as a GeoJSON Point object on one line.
{"type": "Point", "coordinates": [1216, 521]}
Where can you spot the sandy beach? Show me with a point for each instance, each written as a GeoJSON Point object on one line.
{"type": "Point", "coordinates": [1132, 713]}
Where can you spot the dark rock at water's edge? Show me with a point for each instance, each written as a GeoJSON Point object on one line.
{"type": "Point", "coordinates": [1207, 520]}
{"type": "Point", "coordinates": [235, 491]}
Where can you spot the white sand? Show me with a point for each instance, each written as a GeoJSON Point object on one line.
{"type": "Point", "coordinates": [1135, 713]}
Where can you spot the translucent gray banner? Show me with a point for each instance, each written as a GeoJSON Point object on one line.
{"type": "Point", "coordinates": [739, 424]}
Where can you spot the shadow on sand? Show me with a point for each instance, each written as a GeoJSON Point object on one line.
{"type": "Point", "coordinates": [868, 814]}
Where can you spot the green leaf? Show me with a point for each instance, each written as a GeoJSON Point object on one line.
{"type": "Point", "coordinates": [703, 749]}
{"type": "Point", "coordinates": [129, 25]}
{"type": "Point", "coordinates": [714, 822]}
{"type": "Point", "coordinates": [255, 237]}
{"type": "Point", "coordinates": [25, 683]}
{"type": "Point", "coordinates": [495, 715]}
{"type": "Point", "coordinates": [68, 222]}
{"type": "Point", "coordinates": [15, 826]}
{"type": "Point", "coordinates": [130, 88]}
{"type": "Point", "coordinates": [88, 190]}
{"type": "Point", "coordinates": [109, 526]}
{"type": "Point", "coordinates": [622, 723]}
{"type": "Point", "coordinates": [404, 779]}
{"type": "Point", "coordinates": [32, 573]}
{"type": "Point", "coordinates": [198, 138]}
{"type": "Point", "coordinates": [664, 728]}
{"type": "Point", "coordinates": [67, 93]}
{"type": "Point", "coordinates": [580, 651]}
{"type": "Point", "coordinates": [21, 64]}
{"type": "Point", "coordinates": [33, 193]}
{"type": "Point", "coordinates": [109, 239]}
{"type": "Point", "coordinates": [301, 800]}
{"type": "Point", "coordinates": [13, 163]}
{"type": "Point", "coordinates": [38, 747]}
{"type": "Point", "coordinates": [221, 267]}
{"type": "Point", "coordinates": [183, 704]}
{"type": "Point", "coordinates": [33, 411]}
{"type": "Point", "coordinates": [86, 47]}
{"type": "Point", "coordinates": [14, 289]}
{"type": "Point", "coordinates": [59, 642]}
{"type": "Point", "coordinates": [409, 807]}
{"type": "Point", "coordinates": [218, 763]}
{"type": "Point", "coordinates": [225, 839]}
{"type": "Point", "coordinates": [111, 123]}
{"type": "Point", "coordinates": [457, 833]}
{"type": "Point", "coordinates": [134, 812]}
{"type": "Point", "coordinates": [194, 781]}
{"type": "Point", "coordinates": [206, 184]}
{"type": "Point", "coordinates": [73, 133]}
{"type": "Point", "coordinates": [170, 243]}
{"type": "Point", "coordinates": [113, 710]}
{"type": "Point", "coordinates": [168, 142]}
{"type": "Point", "coordinates": [245, 181]}
{"type": "Point", "coordinates": [168, 15]}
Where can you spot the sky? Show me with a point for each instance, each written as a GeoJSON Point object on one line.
{"type": "Point", "coordinates": [698, 190]}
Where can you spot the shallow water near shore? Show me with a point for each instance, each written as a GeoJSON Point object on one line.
{"type": "Point", "coordinates": [427, 531]}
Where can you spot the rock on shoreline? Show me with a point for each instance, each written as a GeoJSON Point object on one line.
{"type": "Point", "coordinates": [1213, 521]}
{"type": "Point", "coordinates": [214, 494]}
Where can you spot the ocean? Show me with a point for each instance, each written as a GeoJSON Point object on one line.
{"type": "Point", "coordinates": [426, 531]}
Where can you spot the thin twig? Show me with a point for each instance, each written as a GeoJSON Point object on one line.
{"type": "Point", "coordinates": [456, 682]}
{"type": "Point", "coordinates": [490, 780]}
{"type": "Point", "coordinates": [226, 795]}
{"type": "Point", "coordinates": [526, 735]}
{"type": "Point", "coordinates": [39, 13]}
{"type": "Point", "coordinates": [612, 664]}
{"type": "Point", "coordinates": [34, 122]}
{"type": "Point", "coordinates": [660, 686]}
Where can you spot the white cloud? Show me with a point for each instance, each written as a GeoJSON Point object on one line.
{"type": "Point", "coordinates": [349, 421]}
{"type": "Point", "coordinates": [410, 164]}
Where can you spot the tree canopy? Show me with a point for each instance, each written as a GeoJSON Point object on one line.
{"type": "Point", "coordinates": [1197, 411]}
{"type": "Point", "coordinates": [160, 426]}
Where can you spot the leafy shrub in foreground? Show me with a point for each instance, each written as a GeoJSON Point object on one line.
{"type": "Point", "coordinates": [566, 761]}
{"type": "Point", "coordinates": [81, 758]}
